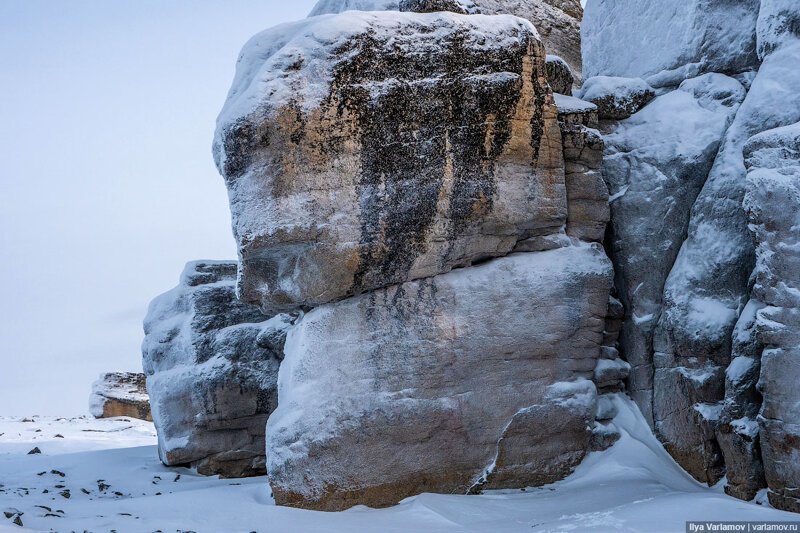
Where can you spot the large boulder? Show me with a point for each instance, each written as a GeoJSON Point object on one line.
{"type": "Point", "coordinates": [362, 150]}
{"type": "Point", "coordinates": [475, 379]}
{"type": "Point", "coordinates": [558, 21]}
{"type": "Point", "coordinates": [617, 98]}
{"type": "Point", "coordinates": [120, 394]}
{"type": "Point", "coordinates": [773, 205]}
{"type": "Point", "coordinates": [212, 368]}
{"type": "Point", "coordinates": [668, 41]}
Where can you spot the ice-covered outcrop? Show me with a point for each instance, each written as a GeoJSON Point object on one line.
{"type": "Point", "coordinates": [212, 368]}
{"type": "Point", "coordinates": [692, 337]}
{"type": "Point", "coordinates": [362, 150]}
{"type": "Point", "coordinates": [617, 98]}
{"type": "Point", "coordinates": [668, 41]}
{"type": "Point", "coordinates": [479, 378]}
{"type": "Point", "coordinates": [120, 394]}
{"type": "Point", "coordinates": [773, 206]}
{"type": "Point", "coordinates": [558, 21]}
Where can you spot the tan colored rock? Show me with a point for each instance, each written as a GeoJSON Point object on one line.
{"type": "Point", "coordinates": [369, 149]}
{"type": "Point", "coordinates": [120, 394]}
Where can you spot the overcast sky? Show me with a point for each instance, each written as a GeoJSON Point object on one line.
{"type": "Point", "coordinates": [107, 184]}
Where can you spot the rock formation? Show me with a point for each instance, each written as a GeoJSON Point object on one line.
{"type": "Point", "coordinates": [557, 21]}
{"type": "Point", "coordinates": [691, 335]}
{"type": "Point", "coordinates": [120, 394]}
{"type": "Point", "coordinates": [383, 192]}
{"type": "Point", "coordinates": [212, 368]}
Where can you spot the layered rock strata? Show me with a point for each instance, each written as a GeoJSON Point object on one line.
{"type": "Point", "coordinates": [120, 394]}
{"type": "Point", "coordinates": [212, 368]}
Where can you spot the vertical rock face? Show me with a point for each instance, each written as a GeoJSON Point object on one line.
{"type": "Point", "coordinates": [558, 21]}
{"type": "Point", "coordinates": [447, 140]}
{"type": "Point", "coordinates": [693, 338]}
{"type": "Point", "coordinates": [667, 41]}
{"type": "Point", "coordinates": [212, 367]}
{"type": "Point", "coordinates": [773, 205]}
{"type": "Point", "coordinates": [120, 394]}
{"type": "Point", "coordinates": [474, 379]}
{"type": "Point", "coordinates": [368, 155]}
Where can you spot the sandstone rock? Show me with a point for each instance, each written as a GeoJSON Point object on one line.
{"type": "Point", "coordinates": [441, 126]}
{"type": "Point", "coordinates": [655, 165]}
{"type": "Point", "coordinates": [212, 365]}
{"type": "Point", "coordinates": [559, 75]}
{"type": "Point", "coordinates": [558, 21]}
{"type": "Point", "coordinates": [773, 206]}
{"type": "Point", "coordinates": [587, 195]}
{"type": "Point", "coordinates": [617, 98]}
{"type": "Point", "coordinates": [464, 7]}
{"type": "Point", "coordinates": [667, 41]}
{"type": "Point", "coordinates": [454, 383]}
{"type": "Point", "coordinates": [120, 394]}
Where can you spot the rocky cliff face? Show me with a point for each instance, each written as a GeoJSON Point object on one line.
{"type": "Point", "coordinates": [212, 368]}
{"type": "Point", "coordinates": [408, 180]}
{"type": "Point", "coordinates": [683, 254]}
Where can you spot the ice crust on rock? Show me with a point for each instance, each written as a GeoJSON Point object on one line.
{"type": "Point", "coordinates": [667, 41]}
{"type": "Point", "coordinates": [558, 21]}
{"type": "Point", "coordinates": [212, 368]}
{"type": "Point", "coordinates": [448, 384]}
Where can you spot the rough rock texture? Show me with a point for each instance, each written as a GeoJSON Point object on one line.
{"type": "Point", "coordinates": [655, 165]}
{"type": "Point", "coordinates": [450, 384]}
{"type": "Point", "coordinates": [667, 41]}
{"type": "Point", "coordinates": [773, 206]}
{"type": "Point", "coordinates": [559, 75]}
{"type": "Point", "coordinates": [442, 128]}
{"type": "Point", "coordinates": [708, 286]}
{"type": "Point", "coordinates": [120, 394]}
{"type": "Point", "coordinates": [464, 7]}
{"type": "Point", "coordinates": [617, 98]}
{"type": "Point", "coordinates": [587, 194]}
{"type": "Point", "coordinates": [558, 21]}
{"type": "Point", "coordinates": [212, 367]}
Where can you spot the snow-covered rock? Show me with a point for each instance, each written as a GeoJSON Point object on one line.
{"type": "Point", "coordinates": [668, 41]}
{"type": "Point", "coordinates": [479, 378]}
{"type": "Point", "coordinates": [120, 394]}
{"type": "Point", "coordinates": [558, 21]}
{"type": "Point", "coordinates": [464, 7]}
{"type": "Point", "coordinates": [773, 206]}
{"type": "Point", "coordinates": [212, 368]}
{"type": "Point", "coordinates": [617, 98]}
{"type": "Point", "coordinates": [655, 165]}
{"type": "Point", "coordinates": [559, 75]}
{"type": "Point", "coordinates": [364, 149]}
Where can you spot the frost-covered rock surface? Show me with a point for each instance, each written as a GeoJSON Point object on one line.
{"type": "Point", "coordinates": [667, 41]}
{"type": "Point", "coordinates": [362, 150]}
{"type": "Point", "coordinates": [696, 345]}
{"type": "Point", "coordinates": [773, 205]}
{"type": "Point", "coordinates": [559, 75]}
{"type": "Point", "coordinates": [471, 380]}
{"type": "Point", "coordinates": [212, 368]}
{"type": "Point", "coordinates": [558, 21]}
{"type": "Point", "coordinates": [464, 7]}
{"type": "Point", "coordinates": [120, 394]}
{"type": "Point", "coordinates": [617, 98]}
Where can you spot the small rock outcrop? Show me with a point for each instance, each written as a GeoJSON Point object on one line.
{"type": "Point", "coordinates": [617, 98]}
{"type": "Point", "coordinates": [464, 7]}
{"type": "Point", "coordinates": [559, 75]}
{"type": "Point", "coordinates": [212, 368]}
{"type": "Point", "coordinates": [120, 394]}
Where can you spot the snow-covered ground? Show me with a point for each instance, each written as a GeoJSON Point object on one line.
{"type": "Point", "coordinates": [115, 482]}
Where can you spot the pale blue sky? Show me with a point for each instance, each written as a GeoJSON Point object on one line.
{"type": "Point", "coordinates": [107, 185]}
